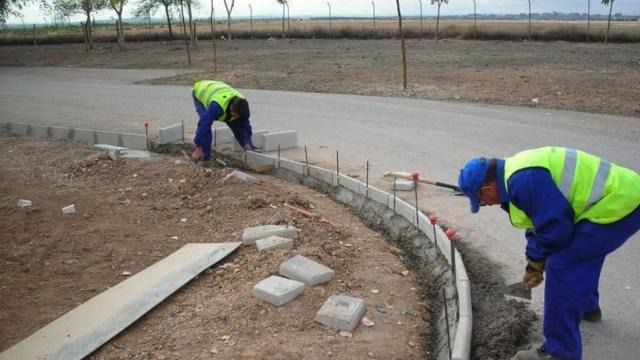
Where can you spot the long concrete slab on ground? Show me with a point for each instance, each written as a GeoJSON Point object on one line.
{"type": "Point", "coordinates": [251, 235]}
{"type": "Point", "coordinates": [274, 243]}
{"type": "Point", "coordinates": [277, 290]}
{"type": "Point", "coordinates": [341, 312]}
{"type": "Point", "coordinates": [82, 330]}
{"type": "Point", "coordinates": [306, 270]}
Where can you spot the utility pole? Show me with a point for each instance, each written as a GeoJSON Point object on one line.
{"type": "Point", "coordinates": [421, 32]}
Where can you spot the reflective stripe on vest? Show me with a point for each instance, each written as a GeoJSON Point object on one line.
{"type": "Point", "coordinates": [208, 91]}
{"type": "Point", "coordinates": [597, 190]}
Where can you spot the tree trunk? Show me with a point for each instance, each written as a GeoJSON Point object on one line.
{"type": "Point", "coordinates": [213, 40]}
{"type": "Point", "coordinates": [404, 51]}
{"type": "Point", "coordinates": [283, 36]}
{"type": "Point", "coordinates": [120, 31]}
{"type": "Point", "coordinates": [606, 35]}
{"type": "Point", "coordinates": [529, 33]}
{"type": "Point", "coordinates": [166, 10]}
{"type": "Point", "coordinates": [184, 32]}
{"type": "Point", "coordinates": [118, 35]}
{"type": "Point", "coordinates": [475, 24]}
{"type": "Point", "coordinates": [89, 31]}
{"type": "Point", "coordinates": [192, 25]}
{"type": "Point", "coordinates": [229, 25]}
{"type": "Point", "coordinates": [438, 22]}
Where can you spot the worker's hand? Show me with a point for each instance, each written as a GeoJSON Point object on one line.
{"type": "Point", "coordinates": [197, 154]}
{"type": "Point", "coordinates": [533, 274]}
{"type": "Point", "coordinates": [247, 147]}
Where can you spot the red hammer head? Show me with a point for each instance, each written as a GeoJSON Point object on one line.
{"type": "Point", "coordinates": [451, 233]}
{"type": "Point", "coordinates": [415, 177]}
{"type": "Point", "coordinates": [433, 219]}
{"type": "Point", "coordinates": [146, 125]}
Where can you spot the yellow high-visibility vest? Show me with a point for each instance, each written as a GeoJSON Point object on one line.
{"type": "Point", "coordinates": [208, 91]}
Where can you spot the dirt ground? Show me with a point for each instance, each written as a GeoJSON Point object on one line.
{"type": "Point", "coordinates": [555, 75]}
{"type": "Point", "coordinates": [131, 213]}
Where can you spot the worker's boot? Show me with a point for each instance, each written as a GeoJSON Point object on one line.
{"type": "Point", "coordinates": [593, 316]}
{"type": "Point", "coordinates": [535, 353]}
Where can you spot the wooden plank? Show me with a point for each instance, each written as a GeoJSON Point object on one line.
{"type": "Point", "coordinates": [82, 330]}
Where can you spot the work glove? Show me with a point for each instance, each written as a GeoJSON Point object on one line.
{"type": "Point", "coordinates": [533, 274]}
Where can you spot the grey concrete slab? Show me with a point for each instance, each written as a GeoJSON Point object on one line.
{"type": "Point", "coordinates": [85, 136]}
{"type": "Point", "coordinates": [277, 290]}
{"type": "Point", "coordinates": [350, 183]}
{"type": "Point", "coordinates": [19, 129]}
{"type": "Point", "coordinates": [306, 270]}
{"type": "Point", "coordinates": [112, 138]}
{"type": "Point", "coordinates": [222, 135]}
{"type": "Point", "coordinates": [79, 332]}
{"type": "Point", "coordinates": [170, 134]}
{"type": "Point", "coordinates": [341, 312]}
{"type": "Point", "coordinates": [256, 134]}
{"type": "Point", "coordinates": [244, 177]}
{"type": "Point", "coordinates": [294, 166]}
{"type": "Point", "coordinates": [285, 139]}
{"type": "Point", "coordinates": [274, 243]}
{"type": "Point", "coordinates": [108, 147]}
{"type": "Point", "coordinates": [321, 174]}
{"type": "Point", "coordinates": [402, 185]}
{"type": "Point", "coordinates": [251, 235]}
{"type": "Point", "coordinates": [254, 158]}
{"type": "Point", "coordinates": [377, 195]}
{"type": "Point", "coordinates": [134, 141]}
{"type": "Point", "coordinates": [59, 133]}
{"type": "Point", "coordinates": [39, 131]}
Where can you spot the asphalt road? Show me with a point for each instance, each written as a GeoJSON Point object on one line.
{"type": "Point", "coordinates": [434, 138]}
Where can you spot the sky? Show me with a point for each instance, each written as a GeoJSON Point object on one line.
{"type": "Point", "coordinates": [306, 8]}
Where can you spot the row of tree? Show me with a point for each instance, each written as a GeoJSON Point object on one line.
{"type": "Point", "coordinates": [61, 9]}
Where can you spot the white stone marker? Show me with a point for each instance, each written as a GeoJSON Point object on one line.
{"type": "Point", "coordinates": [306, 270]}
{"type": "Point", "coordinates": [251, 235]}
{"type": "Point", "coordinates": [244, 177]}
{"type": "Point", "coordinates": [170, 134]}
{"type": "Point", "coordinates": [273, 243]}
{"type": "Point", "coordinates": [341, 312]}
{"type": "Point", "coordinates": [277, 290]}
{"type": "Point", "coordinates": [402, 185]}
{"type": "Point", "coordinates": [286, 139]}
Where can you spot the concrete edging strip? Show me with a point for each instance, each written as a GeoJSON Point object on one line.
{"type": "Point", "coordinates": [461, 349]}
{"type": "Point", "coordinates": [85, 328]}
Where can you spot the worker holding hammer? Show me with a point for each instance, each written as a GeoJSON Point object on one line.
{"type": "Point", "coordinates": [576, 209]}
{"type": "Point", "coordinates": [215, 100]}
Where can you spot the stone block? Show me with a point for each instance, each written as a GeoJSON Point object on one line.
{"type": "Point", "coordinates": [406, 210]}
{"type": "Point", "coordinates": [285, 139]}
{"type": "Point", "coordinates": [402, 185]}
{"type": "Point", "coordinates": [244, 177]}
{"type": "Point", "coordinates": [251, 235]}
{"type": "Point", "coordinates": [274, 243]}
{"type": "Point", "coordinates": [59, 133]}
{"type": "Point", "coordinates": [4, 128]}
{"type": "Point", "coordinates": [377, 195]}
{"type": "Point", "coordinates": [306, 270]}
{"type": "Point", "coordinates": [170, 134]}
{"type": "Point", "coordinates": [296, 167]}
{"type": "Point", "coordinates": [85, 136]}
{"type": "Point", "coordinates": [134, 141]}
{"type": "Point", "coordinates": [277, 290]}
{"type": "Point", "coordinates": [107, 147]}
{"type": "Point", "coordinates": [350, 183]}
{"type": "Point", "coordinates": [341, 312]}
{"type": "Point", "coordinates": [107, 137]}
{"type": "Point", "coordinates": [321, 174]}
{"type": "Point", "coordinates": [222, 135]}
{"type": "Point", "coordinates": [39, 131]}
{"type": "Point", "coordinates": [254, 158]}
{"type": "Point", "coordinates": [19, 129]}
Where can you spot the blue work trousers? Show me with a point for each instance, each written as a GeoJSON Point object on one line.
{"type": "Point", "coordinates": [572, 276]}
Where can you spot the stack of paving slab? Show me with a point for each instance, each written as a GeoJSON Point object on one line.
{"type": "Point", "coordinates": [262, 139]}
{"type": "Point", "coordinates": [85, 136]}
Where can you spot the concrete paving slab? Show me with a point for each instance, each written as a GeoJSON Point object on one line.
{"type": "Point", "coordinates": [274, 243]}
{"type": "Point", "coordinates": [111, 138]}
{"type": "Point", "coordinates": [351, 184]}
{"type": "Point", "coordinates": [107, 147]}
{"type": "Point", "coordinates": [321, 174]}
{"type": "Point", "coordinates": [285, 139]}
{"type": "Point", "coordinates": [277, 290]}
{"type": "Point", "coordinates": [79, 332]}
{"type": "Point", "coordinates": [39, 131]}
{"type": "Point", "coordinates": [19, 129]}
{"type": "Point", "coordinates": [256, 133]}
{"type": "Point", "coordinates": [223, 135]}
{"type": "Point", "coordinates": [170, 134]}
{"type": "Point", "coordinates": [59, 133]}
{"type": "Point", "coordinates": [254, 158]}
{"type": "Point", "coordinates": [306, 270]}
{"type": "Point", "coordinates": [251, 235]}
{"type": "Point", "coordinates": [134, 154]}
{"type": "Point", "coordinates": [296, 167]}
{"type": "Point", "coordinates": [244, 177]}
{"type": "Point", "coordinates": [84, 136]}
{"type": "Point", "coordinates": [134, 141]}
{"type": "Point", "coordinates": [377, 195]}
{"type": "Point", "coordinates": [402, 185]}
{"type": "Point", "coordinates": [341, 312]}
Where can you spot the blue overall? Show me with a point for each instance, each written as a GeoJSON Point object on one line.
{"type": "Point", "coordinates": [573, 254]}
{"type": "Point", "coordinates": [241, 127]}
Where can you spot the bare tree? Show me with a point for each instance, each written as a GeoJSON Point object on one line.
{"type": "Point", "coordinates": [283, 3]}
{"type": "Point", "coordinates": [151, 6]}
{"type": "Point", "coordinates": [87, 7]}
{"type": "Point", "coordinates": [250, 19]}
{"type": "Point", "coordinates": [439, 2]}
{"type": "Point", "coordinates": [529, 32]}
{"type": "Point", "coordinates": [373, 4]}
{"type": "Point", "coordinates": [610, 3]}
{"type": "Point", "coordinates": [184, 31]}
{"type": "Point", "coordinates": [11, 7]}
{"type": "Point", "coordinates": [192, 24]}
{"type": "Point", "coordinates": [213, 38]}
{"type": "Point", "coordinates": [588, 19]}
{"type": "Point", "coordinates": [475, 23]}
{"type": "Point", "coordinates": [117, 6]}
{"type": "Point", "coordinates": [330, 28]}
{"type": "Point", "coordinates": [421, 28]}
{"type": "Point", "coordinates": [229, 10]}
{"type": "Point", "coordinates": [404, 50]}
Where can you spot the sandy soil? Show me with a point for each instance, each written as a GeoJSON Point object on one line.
{"type": "Point", "coordinates": [555, 75]}
{"type": "Point", "coordinates": [130, 214]}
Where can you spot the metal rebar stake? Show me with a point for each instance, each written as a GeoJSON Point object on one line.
{"type": "Point", "coordinates": [394, 194]}
{"type": "Point", "coordinates": [367, 192]}
{"type": "Point", "coordinates": [182, 128]}
{"type": "Point", "coordinates": [337, 168]}
{"type": "Point", "coordinates": [435, 239]}
{"type": "Point", "coordinates": [278, 156]}
{"type": "Point", "coordinates": [415, 190]}
{"type": "Point", "coordinates": [306, 159]}
{"type": "Point", "coordinates": [215, 135]}
{"type": "Point", "coordinates": [453, 268]}
{"type": "Point", "coordinates": [446, 317]}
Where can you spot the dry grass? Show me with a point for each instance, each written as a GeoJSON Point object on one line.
{"type": "Point", "coordinates": [351, 29]}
